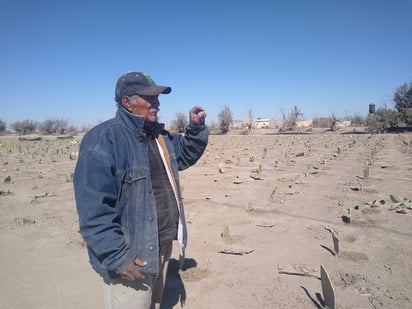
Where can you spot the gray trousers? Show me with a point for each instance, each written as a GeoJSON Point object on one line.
{"type": "Point", "coordinates": [146, 294]}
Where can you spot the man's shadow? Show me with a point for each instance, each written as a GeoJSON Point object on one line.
{"type": "Point", "coordinates": [174, 291]}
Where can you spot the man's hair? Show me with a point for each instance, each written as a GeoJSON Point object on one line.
{"type": "Point", "coordinates": [133, 101]}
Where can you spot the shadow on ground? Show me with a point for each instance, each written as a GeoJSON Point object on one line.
{"type": "Point", "coordinates": [175, 291]}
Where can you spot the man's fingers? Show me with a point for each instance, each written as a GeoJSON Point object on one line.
{"type": "Point", "coordinates": [196, 110]}
{"type": "Point", "coordinates": [131, 273]}
{"type": "Point", "coordinates": [128, 276]}
{"type": "Point", "coordinates": [133, 276]}
{"type": "Point", "coordinates": [140, 276]}
{"type": "Point", "coordinates": [139, 262]}
{"type": "Point", "coordinates": [202, 114]}
{"type": "Point", "coordinates": [197, 114]}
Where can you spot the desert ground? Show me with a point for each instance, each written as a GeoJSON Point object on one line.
{"type": "Point", "coordinates": [265, 211]}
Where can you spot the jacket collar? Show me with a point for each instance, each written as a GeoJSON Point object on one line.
{"type": "Point", "coordinates": [132, 122]}
{"type": "Point", "coordinates": [138, 124]}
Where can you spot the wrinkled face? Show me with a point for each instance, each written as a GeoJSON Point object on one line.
{"type": "Point", "coordinates": [143, 105]}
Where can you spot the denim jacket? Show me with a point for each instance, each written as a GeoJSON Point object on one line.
{"type": "Point", "coordinates": [113, 191]}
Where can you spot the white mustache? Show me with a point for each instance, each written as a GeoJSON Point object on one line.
{"type": "Point", "coordinates": [154, 110]}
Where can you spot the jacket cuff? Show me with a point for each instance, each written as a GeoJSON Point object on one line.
{"type": "Point", "coordinates": [196, 126]}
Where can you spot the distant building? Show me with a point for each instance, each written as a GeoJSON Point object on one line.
{"type": "Point", "coordinates": [258, 123]}
{"type": "Point", "coordinates": [304, 124]}
{"type": "Point", "coordinates": [261, 123]}
{"type": "Point", "coordinates": [237, 124]}
{"type": "Point", "coordinates": [343, 123]}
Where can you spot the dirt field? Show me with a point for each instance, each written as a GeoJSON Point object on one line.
{"type": "Point", "coordinates": [261, 210]}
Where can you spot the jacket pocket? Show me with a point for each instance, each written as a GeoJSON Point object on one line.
{"type": "Point", "coordinates": [134, 174]}
{"type": "Point", "coordinates": [133, 182]}
{"type": "Point", "coordinates": [133, 192]}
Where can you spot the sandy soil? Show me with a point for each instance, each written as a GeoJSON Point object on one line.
{"type": "Point", "coordinates": [260, 212]}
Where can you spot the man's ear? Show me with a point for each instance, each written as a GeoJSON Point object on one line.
{"type": "Point", "coordinates": [126, 103]}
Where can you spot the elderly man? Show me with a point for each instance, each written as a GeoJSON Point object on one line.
{"type": "Point", "coordinates": [128, 195]}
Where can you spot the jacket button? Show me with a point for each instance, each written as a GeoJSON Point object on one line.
{"type": "Point", "coordinates": [150, 218]}
{"type": "Point", "coordinates": [151, 248]}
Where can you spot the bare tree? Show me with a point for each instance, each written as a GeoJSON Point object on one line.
{"type": "Point", "coordinates": [333, 123]}
{"type": "Point", "coordinates": [289, 121]}
{"type": "Point", "coordinates": [3, 126]}
{"type": "Point", "coordinates": [249, 120]}
{"type": "Point", "coordinates": [24, 127]}
{"type": "Point", "coordinates": [225, 119]}
{"type": "Point", "coordinates": [52, 126]}
{"type": "Point", "coordinates": [179, 124]}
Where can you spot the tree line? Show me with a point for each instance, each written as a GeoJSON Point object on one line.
{"type": "Point", "coordinates": [381, 120]}
{"type": "Point", "coordinates": [49, 126]}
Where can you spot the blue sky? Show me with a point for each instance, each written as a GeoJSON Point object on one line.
{"type": "Point", "coordinates": [61, 59]}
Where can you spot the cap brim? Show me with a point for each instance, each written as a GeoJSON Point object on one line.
{"type": "Point", "coordinates": [156, 90]}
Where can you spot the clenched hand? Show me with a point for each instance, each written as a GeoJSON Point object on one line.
{"type": "Point", "coordinates": [131, 273]}
{"type": "Point", "coordinates": [197, 114]}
